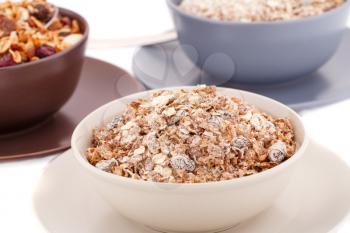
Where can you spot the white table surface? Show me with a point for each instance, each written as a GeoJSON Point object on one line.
{"type": "Point", "coordinates": [330, 126]}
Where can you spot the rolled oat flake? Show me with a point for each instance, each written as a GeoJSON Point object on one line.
{"type": "Point", "coordinates": [116, 120]}
{"type": "Point", "coordinates": [277, 152]}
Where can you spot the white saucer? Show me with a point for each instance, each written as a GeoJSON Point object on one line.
{"type": "Point", "coordinates": [316, 201]}
{"type": "Point", "coordinates": [166, 65]}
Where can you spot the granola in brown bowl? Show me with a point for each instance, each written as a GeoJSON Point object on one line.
{"type": "Point", "coordinates": [34, 29]}
{"type": "Point", "coordinates": [191, 136]}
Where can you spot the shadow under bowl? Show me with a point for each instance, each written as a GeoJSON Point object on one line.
{"type": "Point", "coordinates": [260, 52]}
{"type": "Point", "coordinates": [31, 92]}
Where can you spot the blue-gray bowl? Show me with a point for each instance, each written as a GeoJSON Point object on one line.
{"type": "Point", "coordinates": [260, 52]}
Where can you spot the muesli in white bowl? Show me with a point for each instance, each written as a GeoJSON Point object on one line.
{"type": "Point", "coordinates": [191, 136]}
{"type": "Point", "coordinates": [186, 192]}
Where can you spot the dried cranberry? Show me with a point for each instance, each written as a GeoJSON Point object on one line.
{"type": "Point", "coordinates": [6, 60]}
{"type": "Point", "coordinates": [6, 25]}
{"type": "Point", "coordinates": [42, 12]}
{"type": "Point", "coordinates": [44, 51]}
{"type": "Point", "coordinates": [16, 47]}
{"type": "Point", "coordinates": [66, 21]}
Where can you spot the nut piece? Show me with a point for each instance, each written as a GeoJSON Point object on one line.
{"type": "Point", "coordinates": [106, 165]}
{"type": "Point", "coordinates": [161, 100]}
{"type": "Point", "coordinates": [277, 152]}
{"type": "Point", "coordinates": [72, 39]}
{"type": "Point", "coordinates": [16, 56]}
{"type": "Point", "coordinates": [6, 26]}
{"type": "Point", "coordinates": [182, 162]}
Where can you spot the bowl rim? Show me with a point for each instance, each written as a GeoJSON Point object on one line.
{"type": "Point", "coordinates": [238, 181]}
{"type": "Point", "coordinates": [334, 11]}
{"type": "Point", "coordinates": [72, 14]}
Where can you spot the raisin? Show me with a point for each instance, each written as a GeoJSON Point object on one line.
{"type": "Point", "coordinates": [277, 152]}
{"type": "Point", "coordinates": [182, 162]}
{"type": "Point", "coordinates": [66, 21]}
{"type": "Point", "coordinates": [44, 51]}
{"type": "Point", "coordinates": [42, 12]}
{"type": "Point", "coordinates": [6, 60]}
{"type": "Point", "coordinates": [240, 142]}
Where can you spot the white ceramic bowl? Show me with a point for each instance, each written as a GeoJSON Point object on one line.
{"type": "Point", "coordinates": [203, 207]}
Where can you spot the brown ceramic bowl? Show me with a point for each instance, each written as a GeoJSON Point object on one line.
{"type": "Point", "coordinates": [32, 92]}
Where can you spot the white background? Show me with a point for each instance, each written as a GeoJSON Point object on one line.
{"type": "Point", "coordinates": [127, 18]}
